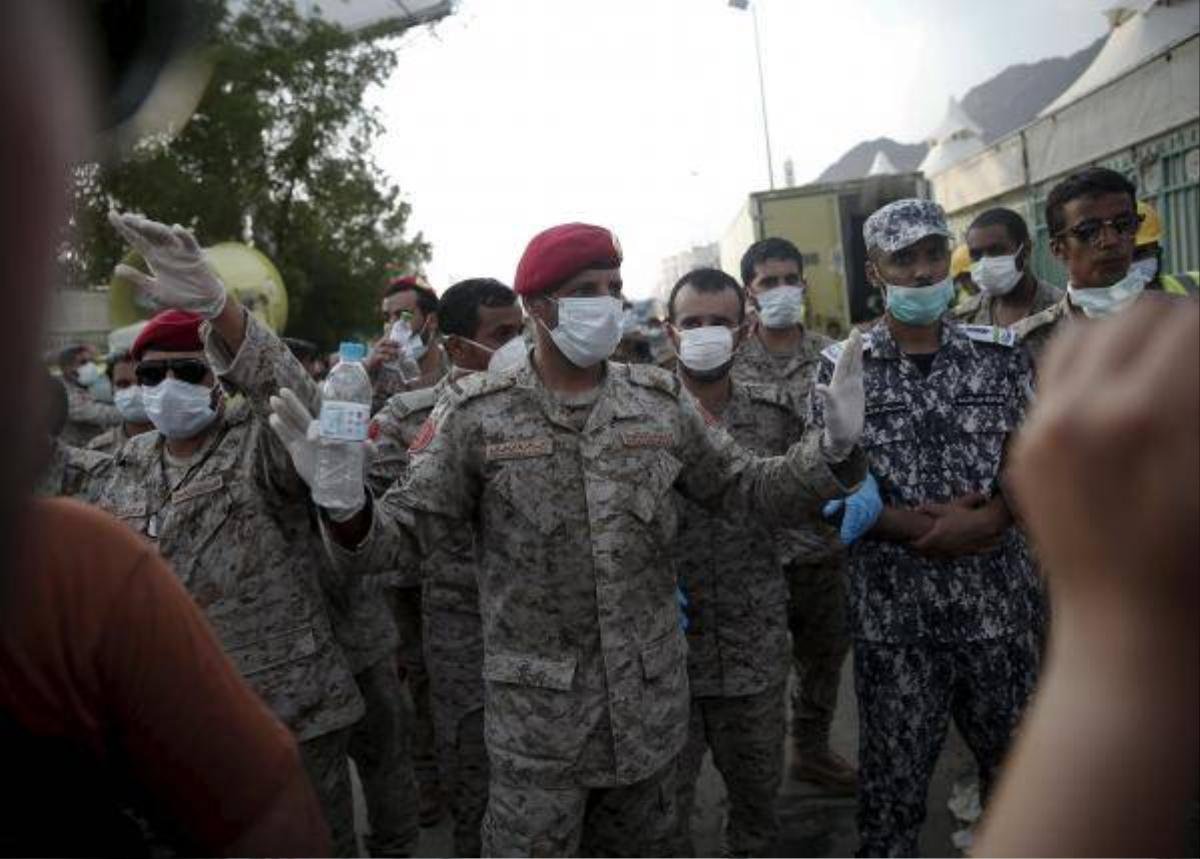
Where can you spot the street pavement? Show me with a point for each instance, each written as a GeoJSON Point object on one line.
{"type": "Point", "coordinates": [814, 822]}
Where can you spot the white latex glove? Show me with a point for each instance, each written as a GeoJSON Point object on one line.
{"type": "Point", "coordinates": [181, 276]}
{"type": "Point", "coordinates": [844, 400]}
{"type": "Point", "coordinates": [300, 433]}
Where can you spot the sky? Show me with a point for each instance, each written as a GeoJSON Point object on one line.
{"type": "Point", "coordinates": [643, 116]}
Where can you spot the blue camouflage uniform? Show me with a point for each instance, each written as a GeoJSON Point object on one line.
{"type": "Point", "coordinates": [935, 638]}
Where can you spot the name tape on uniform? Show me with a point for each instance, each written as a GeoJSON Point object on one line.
{"type": "Point", "coordinates": [523, 448]}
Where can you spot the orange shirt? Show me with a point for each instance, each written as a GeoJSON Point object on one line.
{"type": "Point", "coordinates": [103, 651]}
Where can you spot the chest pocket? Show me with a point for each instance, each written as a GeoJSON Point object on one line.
{"type": "Point", "coordinates": [984, 413]}
{"type": "Point", "coordinates": [194, 519]}
{"type": "Point", "coordinates": [887, 423]}
{"type": "Point", "coordinates": [650, 497]}
{"type": "Point", "coordinates": [529, 487]}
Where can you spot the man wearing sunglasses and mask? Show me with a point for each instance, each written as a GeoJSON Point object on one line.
{"type": "Point", "coordinates": [214, 489]}
{"type": "Point", "coordinates": [480, 321]}
{"type": "Point", "coordinates": [731, 569]}
{"type": "Point", "coordinates": [1093, 221]}
{"type": "Point", "coordinates": [566, 465]}
{"type": "Point", "coordinates": [944, 600]}
{"type": "Point", "coordinates": [780, 350]}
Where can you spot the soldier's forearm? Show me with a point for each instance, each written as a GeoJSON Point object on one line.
{"type": "Point", "coordinates": [230, 324]}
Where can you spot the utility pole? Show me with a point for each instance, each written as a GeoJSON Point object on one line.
{"type": "Point", "coordinates": [762, 87]}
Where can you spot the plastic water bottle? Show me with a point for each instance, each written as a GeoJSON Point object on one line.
{"type": "Point", "coordinates": [345, 414]}
{"type": "Point", "coordinates": [404, 364]}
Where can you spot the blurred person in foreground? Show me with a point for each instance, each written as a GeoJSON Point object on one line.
{"type": "Point", "coordinates": [1105, 764]}
{"type": "Point", "coordinates": [111, 681]}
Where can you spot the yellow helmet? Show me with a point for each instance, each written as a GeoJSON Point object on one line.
{"type": "Point", "coordinates": [1150, 230]}
{"type": "Point", "coordinates": [960, 261]}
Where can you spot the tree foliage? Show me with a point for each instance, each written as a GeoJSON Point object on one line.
{"type": "Point", "coordinates": [282, 141]}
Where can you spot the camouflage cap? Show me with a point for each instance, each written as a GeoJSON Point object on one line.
{"type": "Point", "coordinates": [904, 222]}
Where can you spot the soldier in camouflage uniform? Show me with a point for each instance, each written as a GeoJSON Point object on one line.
{"type": "Point", "coordinates": [566, 466]}
{"type": "Point", "coordinates": [69, 471]}
{"type": "Point", "coordinates": [215, 490]}
{"type": "Point", "coordinates": [730, 568]}
{"type": "Point", "coordinates": [86, 416]}
{"type": "Point", "coordinates": [1093, 220]}
{"type": "Point", "coordinates": [943, 595]}
{"type": "Point", "coordinates": [127, 397]}
{"type": "Point", "coordinates": [477, 318]}
{"type": "Point", "coordinates": [381, 742]}
{"type": "Point", "coordinates": [1000, 248]}
{"type": "Point", "coordinates": [783, 352]}
{"type": "Point", "coordinates": [410, 300]}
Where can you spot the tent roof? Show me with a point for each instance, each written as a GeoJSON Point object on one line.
{"type": "Point", "coordinates": [882, 165]}
{"type": "Point", "coordinates": [946, 154]}
{"type": "Point", "coordinates": [957, 121]}
{"type": "Point", "coordinates": [1153, 27]}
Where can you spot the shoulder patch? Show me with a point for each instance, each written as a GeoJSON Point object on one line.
{"type": "Point", "coordinates": [966, 308]}
{"type": "Point", "coordinates": [996, 334]}
{"type": "Point", "coordinates": [479, 385]}
{"type": "Point", "coordinates": [405, 403]}
{"type": "Point", "coordinates": [424, 436]}
{"type": "Point", "coordinates": [1024, 327]}
{"type": "Point", "coordinates": [649, 376]}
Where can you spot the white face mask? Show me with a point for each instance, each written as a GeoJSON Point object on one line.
{"type": "Point", "coordinates": [179, 409]}
{"type": "Point", "coordinates": [129, 404]}
{"type": "Point", "coordinates": [87, 374]}
{"type": "Point", "coordinates": [408, 339]}
{"type": "Point", "coordinates": [705, 348]}
{"type": "Point", "coordinates": [1103, 301]}
{"type": "Point", "coordinates": [780, 307]}
{"type": "Point", "coordinates": [588, 329]}
{"type": "Point", "coordinates": [997, 275]}
{"type": "Point", "coordinates": [509, 355]}
{"type": "Point", "coordinates": [1145, 268]}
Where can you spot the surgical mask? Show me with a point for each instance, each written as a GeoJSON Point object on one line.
{"type": "Point", "coordinates": [919, 305]}
{"type": "Point", "coordinates": [179, 409]}
{"type": "Point", "coordinates": [87, 374]}
{"type": "Point", "coordinates": [509, 355]}
{"type": "Point", "coordinates": [101, 389]}
{"type": "Point", "coordinates": [1146, 268]}
{"type": "Point", "coordinates": [588, 329]}
{"type": "Point", "coordinates": [997, 275]}
{"type": "Point", "coordinates": [1103, 301]}
{"type": "Point", "coordinates": [705, 348]}
{"type": "Point", "coordinates": [410, 341]}
{"type": "Point", "coordinates": [780, 307]}
{"type": "Point", "coordinates": [129, 403]}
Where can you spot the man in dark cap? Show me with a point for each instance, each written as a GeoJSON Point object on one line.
{"type": "Point", "coordinates": [565, 465]}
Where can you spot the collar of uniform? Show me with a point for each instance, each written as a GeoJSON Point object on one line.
{"type": "Point", "coordinates": [807, 352]}
{"type": "Point", "coordinates": [881, 344]}
{"type": "Point", "coordinates": [616, 401]}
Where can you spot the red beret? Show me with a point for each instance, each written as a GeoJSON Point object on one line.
{"type": "Point", "coordinates": [561, 252]}
{"type": "Point", "coordinates": [169, 331]}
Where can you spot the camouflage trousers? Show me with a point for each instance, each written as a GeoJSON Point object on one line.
{"type": "Point", "coordinates": [324, 760]}
{"type": "Point", "coordinates": [631, 820]}
{"type": "Point", "coordinates": [746, 735]}
{"type": "Point", "coordinates": [381, 750]}
{"type": "Point", "coordinates": [406, 608]}
{"type": "Point", "coordinates": [820, 641]}
{"type": "Point", "coordinates": [465, 773]}
{"type": "Point", "coordinates": [906, 696]}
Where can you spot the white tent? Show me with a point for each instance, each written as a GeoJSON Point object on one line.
{"type": "Point", "coordinates": [1136, 36]}
{"type": "Point", "coordinates": [957, 137]}
{"type": "Point", "coordinates": [882, 165]}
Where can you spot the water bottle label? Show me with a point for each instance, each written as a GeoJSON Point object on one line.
{"type": "Point", "coordinates": [344, 421]}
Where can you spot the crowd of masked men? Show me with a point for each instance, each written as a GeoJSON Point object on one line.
{"type": "Point", "coordinates": [566, 577]}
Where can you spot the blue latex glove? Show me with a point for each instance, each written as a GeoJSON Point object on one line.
{"type": "Point", "coordinates": [863, 510]}
{"type": "Point", "coordinates": [682, 601]}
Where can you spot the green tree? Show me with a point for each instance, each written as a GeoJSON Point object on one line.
{"type": "Point", "coordinates": [282, 141]}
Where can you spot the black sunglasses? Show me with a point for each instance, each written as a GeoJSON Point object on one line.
{"type": "Point", "coordinates": [190, 370]}
{"type": "Point", "coordinates": [1089, 231]}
